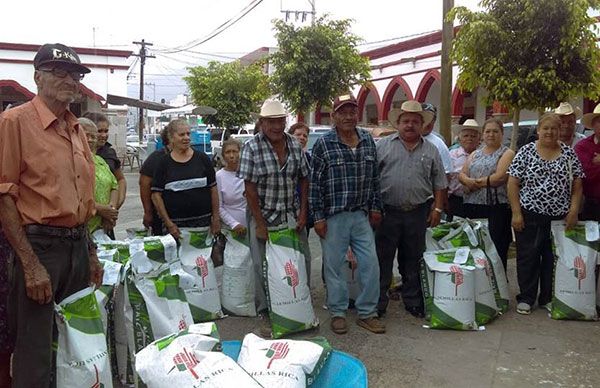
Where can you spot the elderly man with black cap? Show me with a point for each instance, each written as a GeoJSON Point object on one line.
{"type": "Point", "coordinates": [345, 201]}
{"type": "Point", "coordinates": [46, 198]}
{"type": "Point", "coordinates": [272, 165]}
{"type": "Point", "coordinates": [411, 172]}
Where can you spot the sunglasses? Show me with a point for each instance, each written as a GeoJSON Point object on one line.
{"type": "Point", "coordinates": [62, 73]}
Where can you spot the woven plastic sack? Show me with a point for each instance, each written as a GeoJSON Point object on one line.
{"type": "Point", "coordinates": [237, 290]}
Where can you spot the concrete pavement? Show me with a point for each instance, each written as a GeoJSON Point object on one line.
{"type": "Point", "coordinates": [513, 351]}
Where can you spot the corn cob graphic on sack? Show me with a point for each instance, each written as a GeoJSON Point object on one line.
{"type": "Point", "coordinates": [283, 363]}
{"type": "Point", "coordinates": [574, 291]}
{"type": "Point", "coordinates": [290, 305]}
{"type": "Point", "coordinates": [237, 291]}
{"type": "Point", "coordinates": [199, 277]}
{"type": "Point", "coordinates": [82, 354]}
{"type": "Point", "coordinates": [451, 292]}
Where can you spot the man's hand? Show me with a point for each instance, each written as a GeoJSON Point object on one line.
{"type": "Point", "coordinates": [147, 220]}
{"type": "Point", "coordinates": [301, 222]}
{"type": "Point", "coordinates": [261, 231]}
{"type": "Point", "coordinates": [174, 230]}
{"type": "Point", "coordinates": [517, 222]}
{"type": "Point", "coordinates": [571, 219]}
{"type": "Point", "coordinates": [107, 212]}
{"type": "Point", "coordinates": [239, 230]}
{"type": "Point", "coordinates": [96, 270]}
{"type": "Point", "coordinates": [215, 225]}
{"type": "Point", "coordinates": [107, 225]}
{"type": "Point", "coordinates": [321, 228]}
{"type": "Point", "coordinates": [434, 218]}
{"type": "Point", "coordinates": [37, 283]}
{"type": "Point", "coordinates": [375, 219]}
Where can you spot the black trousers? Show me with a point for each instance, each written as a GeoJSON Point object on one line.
{"type": "Point", "coordinates": [499, 222]}
{"type": "Point", "coordinates": [32, 324]}
{"type": "Point", "coordinates": [591, 210]}
{"type": "Point", "coordinates": [402, 231]}
{"type": "Point", "coordinates": [455, 203]}
{"type": "Point", "coordinates": [535, 259]}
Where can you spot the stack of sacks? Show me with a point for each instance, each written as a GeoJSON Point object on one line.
{"type": "Point", "coordinates": [472, 234]}
{"type": "Point", "coordinates": [458, 289]}
{"type": "Point", "coordinates": [576, 256]}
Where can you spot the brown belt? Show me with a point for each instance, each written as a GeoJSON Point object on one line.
{"type": "Point", "coordinates": [75, 233]}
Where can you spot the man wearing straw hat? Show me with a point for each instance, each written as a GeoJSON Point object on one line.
{"type": "Point", "coordinates": [468, 139]}
{"type": "Point", "coordinates": [411, 171]}
{"type": "Point", "coordinates": [568, 118]}
{"type": "Point", "coordinates": [588, 152]}
{"type": "Point", "coordinates": [272, 166]}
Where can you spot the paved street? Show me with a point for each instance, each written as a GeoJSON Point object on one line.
{"type": "Point", "coordinates": [513, 351]}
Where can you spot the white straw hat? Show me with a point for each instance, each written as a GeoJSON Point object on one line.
{"type": "Point", "coordinates": [565, 109]}
{"type": "Point", "coordinates": [410, 106]}
{"type": "Point", "coordinates": [470, 124]}
{"type": "Point", "coordinates": [588, 118]}
{"type": "Point", "coordinates": [272, 109]}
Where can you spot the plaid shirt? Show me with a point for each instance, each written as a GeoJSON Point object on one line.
{"type": "Point", "coordinates": [343, 179]}
{"type": "Point", "coordinates": [276, 185]}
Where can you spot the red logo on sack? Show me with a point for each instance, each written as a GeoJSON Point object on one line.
{"type": "Point", "coordinates": [291, 276]}
{"type": "Point", "coordinates": [185, 361]}
{"type": "Point", "coordinates": [97, 383]}
{"type": "Point", "coordinates": [579, 270]}
{"type": "Point", "coordinates": [485, 264]}
{"type": "Point", "coordinates": [202, 265]}
{"type": "Point", "coordinates": [277, 351]}
{"type": "Point", "coordinates": [182, 325]}
{"type": "Point", "coordinates": [457, 277]}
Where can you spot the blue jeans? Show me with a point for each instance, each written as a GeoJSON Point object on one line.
{"type": "Point", "coordinates": [344, 230]}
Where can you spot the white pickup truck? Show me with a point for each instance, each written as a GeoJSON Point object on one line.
{"type": "Point", "coordinates": [242, 136]}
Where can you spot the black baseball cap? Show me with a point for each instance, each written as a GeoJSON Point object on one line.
{"type": "Point", "coordinates": [61, 55]}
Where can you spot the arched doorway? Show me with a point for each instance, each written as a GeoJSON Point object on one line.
{"type": "Point", "coordinates": [369, 105]}
{"type": "Point", "coordinates": [395, 94]}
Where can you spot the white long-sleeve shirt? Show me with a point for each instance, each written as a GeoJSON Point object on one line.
{"type": "Point", "coordinates": [232, 203]}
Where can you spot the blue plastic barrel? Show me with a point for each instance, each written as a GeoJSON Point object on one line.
{"type": "Point", "coordinates": [340, 369]}
{"type": "Point", "coordinates": [200, 141]}
{"type": "Point", "coordinates": [159, 143]}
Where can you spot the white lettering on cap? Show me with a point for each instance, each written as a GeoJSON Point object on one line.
{"type": "Point", "coordinates": [60, 54]}
{"type": "Point", "coordinates": [345, 97]}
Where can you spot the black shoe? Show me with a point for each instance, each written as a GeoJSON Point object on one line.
{"type": "Point", "coordinates": [415, 311]}
{"type": "Point", "coordinates": [381, 312]}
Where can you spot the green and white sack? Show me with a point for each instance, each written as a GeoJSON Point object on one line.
{"type": "Point", "coordinates": [199, 283]}
{"type": "Point", "coordinates": [283, 363]}
{"type": "Point", "coordinates": [486, 308]}
{"type": "Point", "coordinates": [82, 354]}
{"type": "Point", "coordinates": [288, 295]}
{"type": "Point", "coordinates": [159, 250]}
{"type": "Point", "coordinates": [500, 279]}
{"type": "Point", "coordinates": [196, 243]}
{"type": "Point", "coordinates": [574, 290]}
{"type": "Point", "coordinates": [121, 246]}
{"type": "Point", "coordinates": [137, 233]}
{"type": "Point", "coordinates": [453, 301]}
{"type": "Point", "coordinates": [237, 290]}
{"type": "Point", "coordinates": [111, 277]}
{"type": "Point", "coordinates": [436, 238]}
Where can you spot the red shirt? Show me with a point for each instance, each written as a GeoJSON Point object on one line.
{"type": "Point", "coordinates": [48, 170]}
{"type": "Point", "coordinates": [586, 149]}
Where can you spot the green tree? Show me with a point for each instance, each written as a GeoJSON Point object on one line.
{"type": "Point", "coordinates": [528, 54]}
{"type": "Point", "coordinates": [233, 90]}
{"type": "Point", "coordinates": [316, 63]}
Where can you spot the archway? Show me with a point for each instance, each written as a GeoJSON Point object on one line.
{"type": "Point", "coordinates": [369, 105]}
{"type": "Point", "coordinates": [395, 94]}
{"type": "Point", "coordinates": [430, 85]}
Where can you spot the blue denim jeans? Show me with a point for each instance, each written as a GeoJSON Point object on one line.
{"type": "Point", "coordinates": [344, 230]}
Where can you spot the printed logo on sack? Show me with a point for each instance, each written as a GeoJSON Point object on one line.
{"type": "Point", "coordinates": [182, 325]}
{"type": "Point", "coordinates": [352, 263]}
{"type": "Point", "coordinates": [291, 276]}
{"type": "Point", "coordinates": [579, 270]}
{"type": "Point", "coordinates": [202, 265]}
{"type": "Point", "coordinates": [457, 277]}
{"type": "Point", "coordinates": [277, 351]}
{"type": "Point", "coordinates": [484, 263]}
{"type": "Point", "coordinates": [97, 383]}
{"type": "Point", "coordinates": [185, 361]}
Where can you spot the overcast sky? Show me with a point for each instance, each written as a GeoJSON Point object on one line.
{"type": "Point", "coordinates": [169, 24]}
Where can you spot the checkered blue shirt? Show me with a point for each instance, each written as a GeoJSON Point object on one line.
{"type": "Point", "coordinates": [343, 179]}
{"type": "Point", "coordinates": [276, 185]}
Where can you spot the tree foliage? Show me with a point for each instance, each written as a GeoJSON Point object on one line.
{"type": "Point", "coordinates": [528, 54]}
{"type": "Point", "coordinates": [233, 90]}
{"type": "Point", "coordinates": [316, 63]}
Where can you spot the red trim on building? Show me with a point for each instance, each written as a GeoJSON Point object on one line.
{"type": "Point", "coordinates": [299, 118]}
{"type": "Point", "coordinates": [406, 60]}
{"type": "Point", "coordinates": [18, 87]}
{"type": "Point", "coordinates": [92, 65]}
{"type": "Point", "coordinates": [411, 44]}
{"type": "Point", "coordinates": [79, 50]}
{"type": "Point", "coordinates": [390, 91]}
{"type": "Point", "coordinates": [458, 99]}
{"type": "Point", "coordinates": [362, 98]}
{"type": "Point", "coordinates": [428, 79]}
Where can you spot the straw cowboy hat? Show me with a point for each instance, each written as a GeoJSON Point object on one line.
{"type": "Point", "coordinates": [588, 118]}
{"type": "Point", "coordinates": [565, 109]}
{"type": "Point", "coordinates": [471, 124]}
{"type": "Point", "coordinates": [410, 106]}
{"type": "Point", "coordinates": [272, 109]}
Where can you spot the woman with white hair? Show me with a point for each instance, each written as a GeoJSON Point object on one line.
{"type": "Point", "coordinates": [105, 188]}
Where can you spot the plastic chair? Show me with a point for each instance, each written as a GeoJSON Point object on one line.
{"type": "Point", "coordinates": [340, 369]}
{"type": "Point", "coordinates": [132, 155]}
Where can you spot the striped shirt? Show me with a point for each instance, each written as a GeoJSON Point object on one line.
{"type": "Point", "coordinates": [342, 178]}
{"type": "Point", "coordinates": [276, 185]}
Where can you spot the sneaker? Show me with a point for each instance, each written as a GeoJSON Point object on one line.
{"type": "Point", "coordinates": [373, 324]}
{"type": "Point", "coordinates": [523, 308]}
{"type": "Point", "coordinates": [264, 328]}
{"type": "Point", "coordinates": [338, 325]}
{"type": "Point", "coordinates": [547, 306]}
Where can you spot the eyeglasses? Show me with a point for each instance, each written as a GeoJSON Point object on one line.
{"type": "Point", "coordinates": [62, 73]}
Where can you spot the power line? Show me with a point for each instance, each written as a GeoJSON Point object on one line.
{"type": "Point", "coordinates": [397, 38]}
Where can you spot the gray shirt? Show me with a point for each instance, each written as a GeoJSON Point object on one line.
{"type": "Point", "coordinates": [408, 178]}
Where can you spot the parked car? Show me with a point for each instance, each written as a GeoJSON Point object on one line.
{"type": "Point", "coordinates": [242, 136]}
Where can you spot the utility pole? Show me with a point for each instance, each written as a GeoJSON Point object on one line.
{"type": "Point", "coordinates": [446, 69]}
{"type": "Point", "coordinates": [143, 55]}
